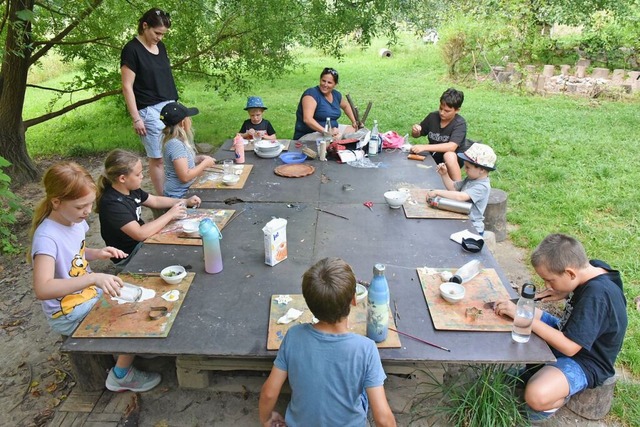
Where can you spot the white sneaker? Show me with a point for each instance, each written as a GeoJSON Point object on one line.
{"type": "Point", "coordinates": [135, 380]}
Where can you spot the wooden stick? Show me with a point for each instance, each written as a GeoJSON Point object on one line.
{"type": "Point", "coordinates": [420, 339]}
{"type": "Point", "coordinates": [353, 108]}
{"type": "Point", "coordinates": [366, 112]}
{"type": "Point", "coordinates": [331, 213]}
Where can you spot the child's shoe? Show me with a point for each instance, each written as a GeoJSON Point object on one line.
{"type": "Point", "coordinates": [135, 380]}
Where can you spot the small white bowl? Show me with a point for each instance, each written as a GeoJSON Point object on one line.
{"type": "Point", "coordinates": [230, 179]}
{"type": "Point", "coordinates": [452, 292]}
{"type": "Point", "coordinates": [361, 292]}
{"type": "Point", "coordinates": [395, 199]}
{"type": "Point", "coordinates": [190, 227]}
{"type": "Point", "coordinates": [267, 146]}
{"type": "Point", "coordinates": [173, 274]}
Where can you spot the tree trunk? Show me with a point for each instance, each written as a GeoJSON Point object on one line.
{"type": "Point", "coordinates": [15, 67]}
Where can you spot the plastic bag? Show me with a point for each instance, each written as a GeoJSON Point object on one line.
{"type": "Point", "coordinates": [391, 139]}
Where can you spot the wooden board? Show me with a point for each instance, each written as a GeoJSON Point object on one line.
{"type": "Point", "coordinates": [416, 207]}
{"type": "Point", "coordinates": [213, 179]}
{"type": "Point", "coordinates": [172, 233]}
{"type": "Point", "coordinates": [297, 170]}
{"type": "Point", "coordinates": [484, 288]}
{"type": "Point", "coordinates": [109, 319]}
{"type": "Point", "coordinates": [357, 322]}
{"type": "Point", "coordinates": [249, 145]}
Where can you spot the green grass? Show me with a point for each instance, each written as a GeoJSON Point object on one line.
{"type": "Point", "coordinates": [568, 164]}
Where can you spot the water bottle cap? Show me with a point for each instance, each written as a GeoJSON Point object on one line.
{"type": "Point", "coordinates": [528, 290]}
{"type": "Point", "coordinates": [378, 269]}
{"type": "Point", "coordinates": [207, 225]}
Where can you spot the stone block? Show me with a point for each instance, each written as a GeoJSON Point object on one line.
{"type": "Point", "coordinates": [583, 62]}
{"type": "Point", "coordinates": [549, 70]}
{"type": "Point", "coordinates": [511, 67]}
{"type": "Point", "coordinates": [530, 69]}
{"type": "Point", "coordinates": [541, 82]}
{"type": "Point", "coordinates": [617, 77]}
{"type": "Point", "coordinates": [495, 215]}
{"type": "Point", "coordinates": [581, 71]}
{"type": "Point", "coordinates": [504, 77]}
{"type": "Point", "coordinates": [565, 69]}
{"type": "Point", "coordinates": [600, 73]}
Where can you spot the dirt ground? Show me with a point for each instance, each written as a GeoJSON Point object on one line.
{"type": "Point", "coordinates": [35, 378]}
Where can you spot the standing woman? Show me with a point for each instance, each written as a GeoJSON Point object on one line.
{"type": "Point", "coordinates": [148, 85]}
{"type": "Point", "coordinates": [319, 102]}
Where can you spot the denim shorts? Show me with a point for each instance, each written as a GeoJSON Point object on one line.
{"type": "Point", "coordinates": [152, 141]}
{"type": "Point", "coordinates": [67, 323]}
{"type": "Point", "coordinates": [570, 368]}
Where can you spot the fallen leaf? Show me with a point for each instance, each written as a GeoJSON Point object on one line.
{"type": "Point", "coordinates": [34, 384]}
{"type": "Point", "coordinates": [52, 387]}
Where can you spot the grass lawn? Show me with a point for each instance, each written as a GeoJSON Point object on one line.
{"type": "Point", "coordinates": [568, 164]}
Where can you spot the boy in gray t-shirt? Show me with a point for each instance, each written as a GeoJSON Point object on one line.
{"type": "Point", "coordinates": [479, 160]}
{"type": "Point", "coordinates": [334, 374]}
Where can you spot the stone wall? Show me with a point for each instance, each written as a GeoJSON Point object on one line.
{"type": "Point", "coordinates": [572, 80]}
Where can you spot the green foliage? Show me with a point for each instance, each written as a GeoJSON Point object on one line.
{"type": "Point", "coordinates": [9, 205]}
{"type": "Point", "coordinates": [474, 396]}
{"type": "Point", "coordinates": [625, 402]}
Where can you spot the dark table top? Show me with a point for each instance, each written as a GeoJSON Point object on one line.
{"type": "Point", "coordinates": [226, 314]}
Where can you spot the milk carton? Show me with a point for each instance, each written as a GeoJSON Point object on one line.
{"type": "Point", "coordinates": [275, 241]}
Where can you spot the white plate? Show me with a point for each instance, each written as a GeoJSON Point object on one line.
{"type": "Point", "coordinates": [269, 154]}
{"type": "Point", "coordinates": [267, 146]}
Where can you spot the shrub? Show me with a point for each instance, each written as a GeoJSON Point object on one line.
{"type": "Point", "coordinates": [10, 204]}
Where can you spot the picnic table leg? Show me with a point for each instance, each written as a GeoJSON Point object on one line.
{"type": "Point", "coordinates": [90, 370]}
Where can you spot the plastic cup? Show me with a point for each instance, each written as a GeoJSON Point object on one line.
{"type": "Point", "coordinates": [227, 166]}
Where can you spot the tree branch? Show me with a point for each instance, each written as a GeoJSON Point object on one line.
{"type": "Point", "coordinates": [53, 89]}
{"type": "Point", "coordinates": [48, 116]}
{"type": "Point", "coordinates": [60, 36]}
{"type": "Point", "coordinates": [43, 43]}
{"type": "Point", "coordinates": [5, 16]}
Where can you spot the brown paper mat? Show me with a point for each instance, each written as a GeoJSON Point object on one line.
{"type": "Point", "coordinates": [416, 207]}
{"type": "Point", "coordinates": [485, 287]}
{"type": "Point", "coordinates": [357, 322]}
{"type": "Point", "coordinates": [213, 179]}
{"type": "Point", "coordinates": [172, 233]}
{"type": "Point", "coordinates": [249, 146]}
{"type": "Point", "coordinates": [108, 319]}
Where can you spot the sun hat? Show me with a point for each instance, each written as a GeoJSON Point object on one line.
{"type": "Point", "coordinates": [174, 112]}
{"type": "Point", "coordinates": [480, 155]}
{"type": "Point", "coordinates": [255, 102]}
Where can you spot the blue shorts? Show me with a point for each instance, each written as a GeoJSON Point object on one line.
{"type": "Point", "coordinates": [570, 368]}
{"type": "Point", "coordinates": [67, 323]}
{"type": "Point", "coordinates": [152, 141]}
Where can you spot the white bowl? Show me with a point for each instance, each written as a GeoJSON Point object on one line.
{"type": "Point", "coordinates": [395, 199]}
{"type": "Point", "coordinates": [173, 274]}
{"type": "Point", "coordinates": [267, 146]}
{"type": "Point", "coordinates": [361, 292]}
{"type": "Point", "coordinates": [190, 226]}
{"type": "Point", "coordinates": [452, 292]}
{"type": "Point", "coordinates": [269, 154]}
{"type": "Point", "coordinates": [230, 179]}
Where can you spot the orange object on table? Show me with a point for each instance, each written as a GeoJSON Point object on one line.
{"type": "Point", "coordinates": [416, 157]}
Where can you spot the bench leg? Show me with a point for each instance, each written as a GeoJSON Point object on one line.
{"type": "Point", "coordinates": [90, 370]}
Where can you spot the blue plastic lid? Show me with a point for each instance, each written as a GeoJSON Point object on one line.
{"type": "Point", "coordinates": [208, 226]}
{"type": "Point", "coordinates": [293, 157]}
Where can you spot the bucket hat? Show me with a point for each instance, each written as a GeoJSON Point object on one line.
{"type": "Point", "coordinates": [174, 112]}
{"type": "Point", "coordinates": [480, 155]}
{"type": "Point", "coordinates": [255, 102]}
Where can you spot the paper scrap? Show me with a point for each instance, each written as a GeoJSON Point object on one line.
{"type": "Point", "coordinates": [284, 299]}
{"type": "Point", "coordinates": [289, 317]}
{"type": "Point", "coordinates": [464, 234]}
{"type": "Point", "coordinates": [172, 295]}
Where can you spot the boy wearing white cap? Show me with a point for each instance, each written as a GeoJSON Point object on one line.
{"type": "Point", "coordinates": [256, 124]}
{"type": "Point", "coordinates": [479, 160]}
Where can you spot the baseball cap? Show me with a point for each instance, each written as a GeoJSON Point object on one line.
{"type": "Point", "coordinates": [174, 112]}
{"type": "Point", "coordinates": [480, 155]}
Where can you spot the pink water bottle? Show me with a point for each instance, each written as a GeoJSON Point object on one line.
{"type": "Point", "coordinates": [238, 145]}
{"type": "Point", "coordinates": [211, 237]}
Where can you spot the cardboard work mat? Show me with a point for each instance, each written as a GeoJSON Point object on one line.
{"type": "Point", "coordinates": [172, 233]}
{"type": "Point", "coordinates": [485, 288]}
{"type": "Point", "coordinates": [109, 319]}
{"type": "Point", "coordinates": [357, 321]}
{"type": "Point", "coordinates": [212, 178]}
{"type": "Point", "coordinates": [416, 207]}
{"type": "Point", "coordinates": [249, 145]}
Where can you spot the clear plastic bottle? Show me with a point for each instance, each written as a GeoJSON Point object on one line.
{"type": "Point", "coordinates": [467, 272]}
{"type": "Point", "coordinates": [523, 320]}
{"type": "Point", "coordinates": [374, 140]}
{"type": "Point", "coordinates": [211, 237]}
{"type": "Point", "coordinates": [327, 131]}
{"type": "Point", "coordinates": [378, 308]}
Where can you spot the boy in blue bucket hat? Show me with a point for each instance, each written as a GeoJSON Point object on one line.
{"type": "Point", "coordinates": [256, 125]}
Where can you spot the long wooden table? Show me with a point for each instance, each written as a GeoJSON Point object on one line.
{"type": "Point", "coordinates": [224, 317]}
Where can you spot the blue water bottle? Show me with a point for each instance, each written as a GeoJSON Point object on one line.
{"type": "Point", "coordinates": [211, 237]}
{"type": "Point", "coordinates": [378, 309]}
